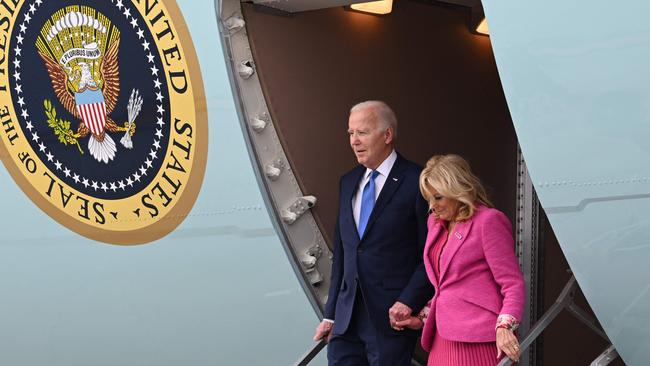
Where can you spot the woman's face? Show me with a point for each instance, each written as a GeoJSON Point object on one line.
{"type": "Point", "coordinates": [443, 208]}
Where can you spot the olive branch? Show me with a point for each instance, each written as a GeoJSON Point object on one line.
{"type": "Point", "coordinates": [60, 126]}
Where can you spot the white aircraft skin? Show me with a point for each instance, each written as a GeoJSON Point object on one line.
{"type": "Point", "coordinates": [576, 82]}
{"type": "Point", "coordinates": [218, 290]}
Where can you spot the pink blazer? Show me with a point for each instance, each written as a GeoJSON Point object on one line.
{"type": "Point", "coordinates": [479, 279]}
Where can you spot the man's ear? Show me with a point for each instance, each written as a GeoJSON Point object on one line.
{"type": "Point", "coordinates": [389, 136]}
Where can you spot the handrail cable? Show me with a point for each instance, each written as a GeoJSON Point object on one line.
{"type": "Point", "coordinates": [566, 301]}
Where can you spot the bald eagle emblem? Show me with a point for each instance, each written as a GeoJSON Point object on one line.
{"type": "Point", "coordinates": [80, 51]}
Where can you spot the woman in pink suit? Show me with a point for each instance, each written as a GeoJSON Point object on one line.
{"type": "Point", "coordinates": [470, 259]}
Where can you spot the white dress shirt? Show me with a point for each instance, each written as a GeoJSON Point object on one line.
{"type": "Point", "coordinates": [383, 169]}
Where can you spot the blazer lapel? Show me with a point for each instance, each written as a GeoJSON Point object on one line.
{"type": "Point", "coordinates": [455, 241]}
{"type": "Point", "coordinates": [432, 238]}
{"type": "Point", "coordinates": [393, 182]}
{"type": "Point", "coordinates": [349, 189]}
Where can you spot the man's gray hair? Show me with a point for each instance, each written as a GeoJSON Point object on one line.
{"type": "Point", "coordinates": [383, 113]}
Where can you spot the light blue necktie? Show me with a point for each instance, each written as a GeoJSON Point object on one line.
{"type": "Point", "coordinates": [367, 202]}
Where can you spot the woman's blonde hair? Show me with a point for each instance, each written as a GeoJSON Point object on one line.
{"type": "Point", "coordinates": [451, 176]}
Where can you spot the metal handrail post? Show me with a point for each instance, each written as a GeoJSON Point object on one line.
{"type": "Point", "coordinates": [563, 300]}
{"type": "Point", "coordinates": [587, 320]}
{"type": "Point", "coordinates": [606, 357]}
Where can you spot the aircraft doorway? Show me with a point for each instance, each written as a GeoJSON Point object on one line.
{"type": "Point", "coordinates": [442, 81]}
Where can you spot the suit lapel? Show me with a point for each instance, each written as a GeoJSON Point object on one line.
{"type": "Point", "coordinates": [393, 182]}
{"type": "Point", "coordinates": [455, 241]}
{"type": "Point", "coordinates": [349, 189]}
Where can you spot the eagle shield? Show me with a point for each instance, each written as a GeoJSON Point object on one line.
{"type": "Point", "coordinates": [79, 47]}
{"type": "Point", "coordinates": [91, 107]}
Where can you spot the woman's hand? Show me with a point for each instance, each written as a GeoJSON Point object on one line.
{"type": "Point", "coordinates": [507, 343]}
{"type": "Point", "coordinates": [412, 322]}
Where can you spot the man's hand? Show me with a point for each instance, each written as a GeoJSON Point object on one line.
{"type": "Point", "coordinates": [398, 312]}
{"type": "Point", "coordinates": [412, 322]}
{"type": "Point", "coordinates": [324, 329]}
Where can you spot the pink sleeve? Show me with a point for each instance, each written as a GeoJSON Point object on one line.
{"type": "Point", "coordinates": [499, 250]}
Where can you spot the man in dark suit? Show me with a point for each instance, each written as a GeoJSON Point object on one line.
{"type": "Point", "coordinates": [378, 276]}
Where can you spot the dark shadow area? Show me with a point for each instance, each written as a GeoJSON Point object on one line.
{"type": "Point", "coordinates": [421, 59]}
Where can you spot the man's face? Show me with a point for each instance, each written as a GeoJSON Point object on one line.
{"type": "Point", "coordinates": [371, 143]}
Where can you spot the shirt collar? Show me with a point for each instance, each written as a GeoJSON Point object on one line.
{"type": "Point", "coordinates": [385, 167]}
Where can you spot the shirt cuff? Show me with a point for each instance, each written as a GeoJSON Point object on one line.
{"type": "Point", "coordinates": [507, 321]}
{"type": "Point", "coordinates": [424, 313]}
{"type": "Point", "coordinates": [329, 320]}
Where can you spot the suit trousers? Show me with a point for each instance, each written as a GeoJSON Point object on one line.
{"type": "Point", "coordinates": [363, 345]}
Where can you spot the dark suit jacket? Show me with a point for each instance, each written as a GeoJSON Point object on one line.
{"type": "Point", "coordinates": [387, 261]}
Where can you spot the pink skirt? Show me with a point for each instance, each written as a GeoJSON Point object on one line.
{"type": "Point", "coordinates": [451, 353]}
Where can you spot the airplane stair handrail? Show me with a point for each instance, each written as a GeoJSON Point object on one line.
{"type": "Point", "coordinates": [565, 301]}
{"type": "Point", "coordinates": [310, 354]}
{"type": "Point", "coordinates": [606, 357]}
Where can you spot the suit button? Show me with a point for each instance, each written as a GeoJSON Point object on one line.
{"type": "Point", "coordinates": [359, 251]}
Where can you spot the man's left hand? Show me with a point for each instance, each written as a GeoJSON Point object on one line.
{"type": "Point", "coordinates": [399, 312]}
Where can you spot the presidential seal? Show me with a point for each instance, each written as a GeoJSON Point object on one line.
{"type": "Point", "coordinates": [102, 114]}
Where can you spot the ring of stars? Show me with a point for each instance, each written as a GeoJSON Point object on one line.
{"type": "Point", "coordinates": [24, 113]}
